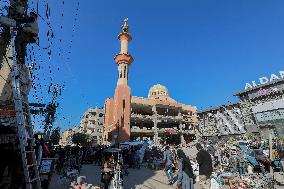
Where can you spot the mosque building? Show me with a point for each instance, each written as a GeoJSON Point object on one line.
{"type": "Point", "coordinates": [158, 117]}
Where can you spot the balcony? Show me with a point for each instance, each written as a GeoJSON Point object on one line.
{"type": "Point", "coordinates": [135, 129]}
{"type": "Point", "coordinates": [141, 117]}
{"type": "Point", "coordinates": [169, 118]}
{"type": "Point", "coordinates": [92, 126]}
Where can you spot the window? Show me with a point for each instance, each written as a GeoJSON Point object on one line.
{"type": "Point", "coordinates": [122, 121]}
{"type": "Point", "coordinates": [124, 71]}
{"type": "Point", "coordinates": [123, 104]}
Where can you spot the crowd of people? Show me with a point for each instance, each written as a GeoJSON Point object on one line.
{"type": "Point", "coordinates": [238, 163]}
{"type": "Point", "coordinates": [206, 164]}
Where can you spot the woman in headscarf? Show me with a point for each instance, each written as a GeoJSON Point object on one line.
{"type": "Point", "coordinates": [185, 175]}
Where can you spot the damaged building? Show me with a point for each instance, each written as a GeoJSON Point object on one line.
{"type": "Point", "coordinates": [158, 117]}
{"type": "Point", "coordinates": [259, 107]}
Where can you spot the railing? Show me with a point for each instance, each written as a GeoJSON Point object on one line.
{"type": "Point", "coordinates": [159, 117]}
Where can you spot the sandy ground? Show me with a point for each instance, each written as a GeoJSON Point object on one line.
{"type": "Point", "coordinates": [143, 178]}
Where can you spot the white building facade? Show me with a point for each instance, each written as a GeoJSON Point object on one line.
{"type": "Point", "coordinates": [92, 124]}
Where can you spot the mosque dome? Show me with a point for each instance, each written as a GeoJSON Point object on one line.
{"type": "Point", "coordinates": [158, 90]}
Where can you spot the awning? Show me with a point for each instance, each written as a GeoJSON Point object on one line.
{"type": "Point", "coordinates": [170, 131]}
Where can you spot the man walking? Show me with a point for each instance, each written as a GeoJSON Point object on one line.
{"type": "Point", "coordinates": [205, 167]}
{"type": "Point", "coordinates": [168, 159]}
{"type": "Point", "coordinates": [241, 163]}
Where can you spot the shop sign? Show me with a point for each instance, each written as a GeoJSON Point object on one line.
{"type": "Point", "coordinates": [265, 80]}
{"type": "Point", "coordinates": [263, 92]}
{"type": "Point", "coordinates": [269, 116]}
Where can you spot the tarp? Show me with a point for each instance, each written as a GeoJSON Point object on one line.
{"type": "Point", "coordinates": [170, 131]}
{"type": "Point", "coordinates": [248, 155]}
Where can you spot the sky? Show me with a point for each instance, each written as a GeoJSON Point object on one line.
{"type": "Point", "coordinates": [203, 51]}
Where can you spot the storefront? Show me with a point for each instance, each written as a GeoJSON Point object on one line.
{"type": "Point", "coordinates": [274, 118]}
{"type": "Point", "coordinates": [265, 104]}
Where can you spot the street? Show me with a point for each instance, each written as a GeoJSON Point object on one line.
{"type": "Point", "coordinates": [143, 178]}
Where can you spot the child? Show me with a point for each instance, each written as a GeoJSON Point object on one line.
{"type": "Point", "coordinates": [125, 168]}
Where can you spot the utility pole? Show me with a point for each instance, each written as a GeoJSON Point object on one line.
{"type": "Point", "coordinates": [51, 109]}
{"type": "Point", "coordinates": [270, 151]}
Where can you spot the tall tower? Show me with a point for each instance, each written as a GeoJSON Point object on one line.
{"type": "Point", "coordinates": [123, 59]}
{"type": "Point", "coordinates": [122, 96]}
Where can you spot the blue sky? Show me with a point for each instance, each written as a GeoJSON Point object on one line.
{"type": "Point", "coordinates": [202, 50]}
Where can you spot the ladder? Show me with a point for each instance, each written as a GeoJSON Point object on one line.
{"type": "Point", "coordinates": [19, 77]}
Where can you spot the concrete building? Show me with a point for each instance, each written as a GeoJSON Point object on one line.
{"type": "Point", "coordinates": [66, 138]}
{"type": "Point", "coordinates": [156, 117]}
{"type": "Point", "coordinates": [223, 120]}
{"type": "Point", "coordinates": [263, 106]}
{"type": "Point", "coordinates": [160, 118]}
{"type": "Point", "coordinates": [259, 106]}
{"type": "Point", "coordinates": [92, 123]}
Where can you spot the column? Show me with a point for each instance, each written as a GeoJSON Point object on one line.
{"type": "Point", "coordinates": [182, 141]}
{"type": "Point", "coordinates": [155, 128]}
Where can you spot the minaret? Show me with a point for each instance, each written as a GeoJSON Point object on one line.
{"type": "Point", "coordinates": [122, 96]}
{"type": "Point", "coordinates": [123, 59]}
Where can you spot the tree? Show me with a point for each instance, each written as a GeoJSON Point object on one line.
{"type": "Point", "coordinates": [80, 138]}
{"type": "Point", "coordinates": [55, 136]}
{"type": "Point", "coordinates": [280, 139]}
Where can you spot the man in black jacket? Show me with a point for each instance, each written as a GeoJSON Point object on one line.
{"type": "Point", "coordinates": [205, 167]}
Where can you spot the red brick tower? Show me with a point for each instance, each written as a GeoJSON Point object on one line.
{"type": "Point", "coordinates": [122, 96]}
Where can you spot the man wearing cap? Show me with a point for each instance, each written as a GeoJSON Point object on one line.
{"type": "Point", "coordinates": [205, 167]}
